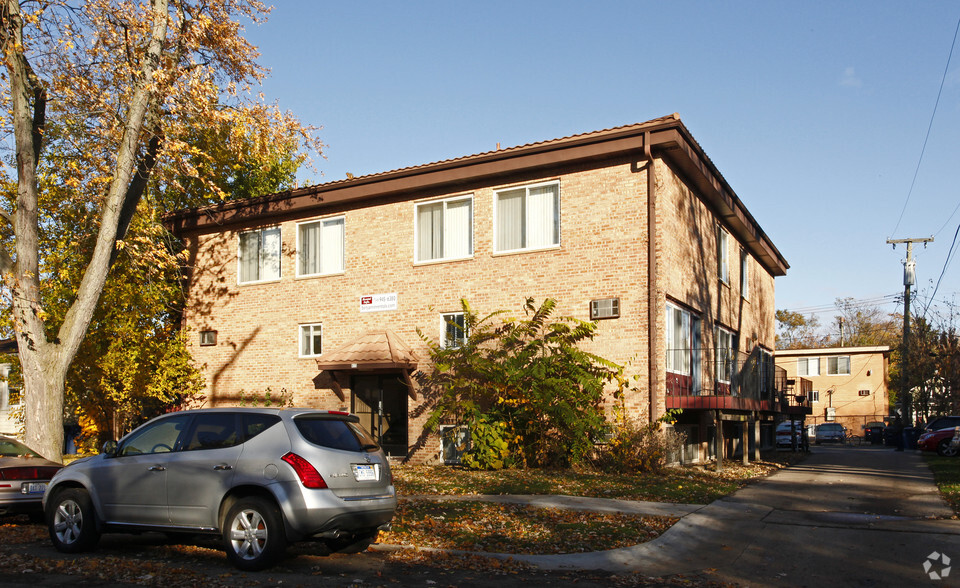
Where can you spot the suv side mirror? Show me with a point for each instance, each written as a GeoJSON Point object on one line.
{"type": "Point", "coordinates": [109, 448]}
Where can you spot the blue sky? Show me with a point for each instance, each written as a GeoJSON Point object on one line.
{"type": "Point", "coordinates": [814, 112]}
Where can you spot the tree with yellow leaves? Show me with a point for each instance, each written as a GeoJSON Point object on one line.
{"type": "Point", "coordinates": [113, 88]}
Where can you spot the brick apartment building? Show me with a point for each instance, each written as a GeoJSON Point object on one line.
{"type": "Point", "coordinates": [319, 291]}
{"type": "Point", "coordinates": [848, 385]}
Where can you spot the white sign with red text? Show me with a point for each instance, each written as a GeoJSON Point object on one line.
{"type": "Point", "coordinates": [378, 302]}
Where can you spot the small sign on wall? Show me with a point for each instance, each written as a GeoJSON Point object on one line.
{"type": "Point", "coordinates": [378, 302]}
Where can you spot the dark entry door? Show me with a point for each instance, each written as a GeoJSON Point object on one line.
{"type": "Point", "coordinates": [381, 403]}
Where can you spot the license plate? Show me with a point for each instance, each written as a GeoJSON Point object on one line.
{"type": "Point", "coordinates": [365, 472]}
{"type": "Point", "coordinates": [33, 487]}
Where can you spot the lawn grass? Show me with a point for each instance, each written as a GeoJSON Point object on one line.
{"type": "Point", "coordinates": [946, 471]}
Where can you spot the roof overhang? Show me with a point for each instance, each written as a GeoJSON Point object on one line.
{"type": "Point", "coordinates": [668, 138]}
{"type": "Point", "coordinates": [374, 351]}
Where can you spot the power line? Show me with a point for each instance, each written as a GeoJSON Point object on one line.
{"type": "Point", "coordinates": [877, 300]}
{"type": "Point", "coordinates": [946, 263]}
{"type": "Point", "coordinates": [929, 128]}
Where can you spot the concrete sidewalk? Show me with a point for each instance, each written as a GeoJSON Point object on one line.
{"type": "Point", "coordinates": [846, 516]}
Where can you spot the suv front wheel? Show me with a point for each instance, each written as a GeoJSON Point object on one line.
{"type": "Point", "coordinates": [72, 522]}
{"type": "Point", "coordinates": [253, 535]}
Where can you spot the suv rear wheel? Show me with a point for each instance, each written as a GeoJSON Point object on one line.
{"type": "Point", "coordinates": [253, 535]}
{"type": "Point", "coordinates": [72, 522]}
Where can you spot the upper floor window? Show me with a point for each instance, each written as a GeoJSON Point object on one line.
{"type": "Point", "coordinates": [311, 340]}
{"type": "Point", "coordinates": [814, 396]}
{"type": "Point", "coordinates": [527, 217]}
{"type": "Point", "coordinates": [767, 372]}
{"type": "Point", "coordinates": [683, 351]}
{"type": "Point", "coordinates": [745, 274]}
{"type": "Point", "coordinates": [725, 355]}
{"type": "Point", "coordinates": [320, 247]}
{"type": "Point", "coordinates": [838, 366]}
{"type": "Point", "coordinates": [683, 340]}
{"type": "Point", "coordinates": [808, 366]}
{"type": "Point", "coordinates": [445, 229]}
{"type": "Point", "coordinates": [723, 255]}
{"type": "Point", "coordinates": [259, 256]}
{"type": "Point", "coordinates": [455, 329]}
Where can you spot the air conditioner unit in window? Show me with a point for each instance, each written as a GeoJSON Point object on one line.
{"type": "Point", "coordinates": [604, 308]}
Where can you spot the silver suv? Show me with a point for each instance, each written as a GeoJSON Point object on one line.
{"type": "Point", "coordinates": [257, 477]}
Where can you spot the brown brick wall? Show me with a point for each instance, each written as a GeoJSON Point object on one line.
{"type": "Point", "coordinates": [603, 253]}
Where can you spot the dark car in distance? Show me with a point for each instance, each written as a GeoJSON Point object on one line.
{"type": "Point", "coordinates": [941, 422]}
{"type": "Point", "coordinates": [873, 432]}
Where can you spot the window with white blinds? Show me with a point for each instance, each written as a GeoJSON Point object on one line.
{"type": "Point", "coordinates": [320, 247]}
{"type": "Point", "coordinates": [528, 218]}
{"type": "Point", "coordinates": [259, 255]}
{"type": "Point", "coordinates": [444, 229]}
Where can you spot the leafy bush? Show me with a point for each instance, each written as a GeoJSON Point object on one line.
{"type": "Point", "coordinates": [638, 447]}
{"type": "Point", "coordinates": [489, 449]}
{"type": "Point", "coordinates": [529, 374]}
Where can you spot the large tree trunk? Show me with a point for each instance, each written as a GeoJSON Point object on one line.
{"type": "Point", "coordinates": [45, 363]}
{"type": "Point", "coordinates": [43, 382]}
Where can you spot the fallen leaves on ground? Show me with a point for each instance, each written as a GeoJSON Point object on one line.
{"type": "Point", "coordinates": [518, 529]}
{"type": "Point", "coordinates": [686, 484]}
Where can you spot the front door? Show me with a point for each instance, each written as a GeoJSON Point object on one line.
{"type": "Point", "coordinates": [381, 403]}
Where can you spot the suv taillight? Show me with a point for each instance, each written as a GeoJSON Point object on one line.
{"type": "Point", "coordinates": [309, 476]}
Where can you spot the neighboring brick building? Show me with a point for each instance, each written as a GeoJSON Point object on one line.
{"type": "Point", "coordinates": [339, 276]}
{"type": "Point", "coordinates": [848, 384]}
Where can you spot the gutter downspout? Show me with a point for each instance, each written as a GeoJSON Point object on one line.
{"type": "Point", "coordinates": [653, 364]}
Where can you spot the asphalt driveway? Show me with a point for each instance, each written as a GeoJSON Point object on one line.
{"type": "Point", "coordinates": [865, 516]}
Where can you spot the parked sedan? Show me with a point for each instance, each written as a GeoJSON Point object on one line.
{"type": "Point", "coordinates": [938, 441]}
{"type": "Point", "coordinates": [24, 475]}
{"type": "Point", "coordinates": [256, 477]}
{"type": "Point", "coordinates": [784, 439]}
{"type": "Point", "coordinates": [831, 433]}
{"type": "Point", "coordinates": [873, 432]}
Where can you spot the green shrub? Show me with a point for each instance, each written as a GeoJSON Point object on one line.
{"type": "Point", "coordinates": [528, 373]}
{"type": "Point", "coordinates": [489, 449]}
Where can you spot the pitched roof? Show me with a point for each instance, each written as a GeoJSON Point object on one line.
{"type": "Point", "coordinates": [372, 350]}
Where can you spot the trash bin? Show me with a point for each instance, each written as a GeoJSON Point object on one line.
{"type": "Point", "coordinates": [910, 437]}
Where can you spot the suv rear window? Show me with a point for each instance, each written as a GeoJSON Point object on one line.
{"type": "Point", "coordinates": [335, 433]}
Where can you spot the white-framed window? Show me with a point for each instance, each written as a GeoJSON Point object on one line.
{"type": "Point", "coordinates": [454, 329]}
{"type": "Point", "coordinates": [725, 354]}
{"type": "Point", "coordinates": [683, 341]}
{"type": "Point", "coordinates": [444, 229]}
{"type": "Point", "coordinates": [320, 248]}
{"type": "Point", "coordinates": [311, 340]}
{"type": "Point", "coordinates": [744, 274]}
{"type": "Point", "coordinates": [808, 366]}
{"type": "Point", "coordinates": [838, 365]}
{"type": "Point", "coordinates": [259, 255]}
{"type": "Point", "coordinates": [723, 255]}
{"type": "Point", "coordinates": [814, 396]}
{"type": "Point", "coordinates": [527, 218]}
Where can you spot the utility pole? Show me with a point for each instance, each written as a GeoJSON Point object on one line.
{"type": "Point", "coordinates": [909, 280]}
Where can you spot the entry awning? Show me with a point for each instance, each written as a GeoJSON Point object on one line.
{"type": "Point", "coordinates": [374, 350]}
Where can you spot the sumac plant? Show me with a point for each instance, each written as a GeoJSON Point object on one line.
{"type": "Point", "coordinates": [528, 373]}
